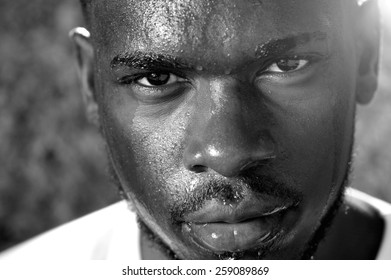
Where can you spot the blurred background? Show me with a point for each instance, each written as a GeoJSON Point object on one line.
{"type": "Point", "coordinates": [52, 161]}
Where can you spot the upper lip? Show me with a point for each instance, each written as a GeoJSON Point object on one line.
{"type": "Point", "coordinates": [214, 211]}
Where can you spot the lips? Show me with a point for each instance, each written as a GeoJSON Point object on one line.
{"type": "Point", "coordinates": [233, 228]}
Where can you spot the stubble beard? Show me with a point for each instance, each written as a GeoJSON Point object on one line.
{"type": "Point", "coordinates": [319, 233]}
{"type": "Point", "coordinates": [309, 250]}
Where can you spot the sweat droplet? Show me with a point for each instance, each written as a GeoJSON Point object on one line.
{"type": "Point", "coordinates": [346, 210]}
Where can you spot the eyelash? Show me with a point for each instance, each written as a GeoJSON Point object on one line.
{"type": "Point", "coordinates": [309, 60]}
{"type": "Point", "coordinates": [129, 80]}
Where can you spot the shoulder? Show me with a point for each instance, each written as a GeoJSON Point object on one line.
{"type": "Point", "coordinates": [94, 236]}
{"type": "Point", "coordinates": [384, 209]}
{"type": "Point", "coordinates": [367, 203]}
{"type": "Point", "coordinates": [360, 229]}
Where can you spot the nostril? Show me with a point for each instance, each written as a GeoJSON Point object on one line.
{"type": "Point", "coordinates": [198, 168]}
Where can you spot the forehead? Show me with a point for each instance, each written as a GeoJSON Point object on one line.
{"type": "Point", "coordinates": [211, 29]}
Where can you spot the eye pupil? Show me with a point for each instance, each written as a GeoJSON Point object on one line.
{"type": "Point", "coordinates": [158, 79]}
{"type": "Point", "coordinates": [288, 64]}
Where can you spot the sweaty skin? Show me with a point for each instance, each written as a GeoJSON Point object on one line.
{"type": "Point", "coordinates": [229, 124]}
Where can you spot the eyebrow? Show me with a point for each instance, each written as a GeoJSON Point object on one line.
{"type": "Point", "coordinates": [148, 61]}
{"type": "Point", "coordinates": [280, 46]}
{"type": "Point", "coordinates": [151, 61]}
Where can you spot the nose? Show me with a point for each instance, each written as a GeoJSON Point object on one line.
{"type": "Point", "coordinates": [228, 132]}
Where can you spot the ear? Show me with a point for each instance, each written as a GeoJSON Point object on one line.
{"type": "Point", "coordinates": [368, 40]}
{"type": "Point", "coordinates": [85, 58]}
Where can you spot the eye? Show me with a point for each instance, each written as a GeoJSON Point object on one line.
{"type": "Point", "coordinates": [286, 65]}
{"type": "Point", "coordinates": [156, 79]}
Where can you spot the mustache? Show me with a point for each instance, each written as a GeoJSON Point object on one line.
{"type": "Point", "coordinates": [228, 192]}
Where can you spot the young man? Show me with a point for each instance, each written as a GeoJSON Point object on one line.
{"type": "Point", "coordinates": [229, 127]}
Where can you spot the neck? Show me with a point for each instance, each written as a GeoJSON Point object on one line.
{"type": "Point", "coordinates": [355, 234]}
{"type": "Point", "coordinates": [152, 247]}
{"type": "Point", "coordinates": [152, 251]}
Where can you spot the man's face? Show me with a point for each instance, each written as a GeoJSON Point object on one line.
{"type": "Point", "coordinates": [229, 123]}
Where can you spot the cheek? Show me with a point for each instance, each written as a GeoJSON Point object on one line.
{"type": "Point", "coordinates": [314, 130]}
{"type": "Point", "coordinates": [158, 149]}
{"type": "Point", "coordinates": [147, 158]}
{"type": "Point", "coordinates": [146, 152]}
{"type": "Point", "coordinates": [319, 140]}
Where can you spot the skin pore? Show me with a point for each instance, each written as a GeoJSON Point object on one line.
{"type": "Point", "coordinates": [229, 124]}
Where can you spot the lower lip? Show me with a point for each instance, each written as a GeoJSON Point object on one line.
{"type": "Point", "coordinates": [235, 237]}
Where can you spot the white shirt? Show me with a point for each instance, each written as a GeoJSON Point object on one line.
{"type": "Point", "coordinates": [112, 234]}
